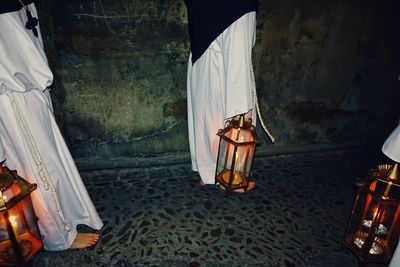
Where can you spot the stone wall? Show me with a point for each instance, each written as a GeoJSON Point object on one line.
{"type": "Point", "coordinates": [326, 71]}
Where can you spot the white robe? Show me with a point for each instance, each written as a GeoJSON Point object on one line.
{"type": "Point", "coordinates": [30, 139]}
{"type": "Point", "coordinates": [391, 148]}
{"type": "Point", "coordinates": [395, 262]}
{"type": "Point", "coordinates": [220, 85]}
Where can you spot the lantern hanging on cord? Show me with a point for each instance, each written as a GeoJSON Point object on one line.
{"type": "Point", "coordinates": [372, 233]}
{"type": "Point", "coordinates": [19, 234]}
{"type": "Point", "coordinates": [236, 150]}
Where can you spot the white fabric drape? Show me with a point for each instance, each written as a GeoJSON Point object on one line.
{"type": "Point", "coordinates": [391, 147]}
{"type": "Point", "coordinates": [30, 139]}
{"type": "Point", "coordinates": [395, 262]}
{"type": "Point", "coordinates": [220, 85]}
{"type": "Point", "coordinates": [2, 153]}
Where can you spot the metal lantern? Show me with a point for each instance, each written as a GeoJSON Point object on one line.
{"type": "Point", "coordinates": [19, 234]}
{"type": "Point", "coordinates": [235, 154]}
{"type": "Point", "coordinates": [372, 232]}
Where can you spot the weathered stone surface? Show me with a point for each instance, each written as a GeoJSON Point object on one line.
{"type": "Point", "coordinates": [325, 71]}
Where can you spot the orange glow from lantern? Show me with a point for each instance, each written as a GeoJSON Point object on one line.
{"type": "Point", "coordinates": [236, 153]}
{"type": "Point", "coordinates": [20, 237]}
{"type": "Point", "coordinates": [373, 228]}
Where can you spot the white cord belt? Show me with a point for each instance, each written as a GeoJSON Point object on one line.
{"type": "Point", "coordinates": [41, 167]}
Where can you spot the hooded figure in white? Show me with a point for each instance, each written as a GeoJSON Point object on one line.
{"type": "Point", "coordinates": [30, 140]}
{"type": "Point", "coordinates": [220, 80]}
{"type": "Point", "coordinates": [391, 148]}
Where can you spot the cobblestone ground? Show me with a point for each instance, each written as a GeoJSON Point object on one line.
{"type": "Point", "coordinates": [159, 216]}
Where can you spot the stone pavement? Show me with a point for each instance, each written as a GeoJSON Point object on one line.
{"type": "Point", "coordinates": [157, 215]}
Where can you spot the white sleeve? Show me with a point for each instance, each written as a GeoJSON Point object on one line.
{"type": "Point", "coordinates": [23, 63]}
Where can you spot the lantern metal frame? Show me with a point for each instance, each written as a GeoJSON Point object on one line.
{"type": "Point", "coordinates": [238, 123]}
{"type": "Point", "coordinates": [368, 236]}
{"type": "Point", "coordinates": [17, 249]}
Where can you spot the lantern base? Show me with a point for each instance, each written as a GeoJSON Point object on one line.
{"type": "Point", "coordinates": [239, 181]}
{"type": "Point", "coordinates": [354, 243]}
{"type": "Point", "coordinates": [28, 244]}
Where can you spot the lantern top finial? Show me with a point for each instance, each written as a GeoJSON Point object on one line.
{"type": "Point", "coordinates": [393, 174]}
{"type": "Point", "coordinates": [241, 121]}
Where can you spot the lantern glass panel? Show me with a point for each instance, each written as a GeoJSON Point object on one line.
{"type": "Point", "coordinates": [235, 157]}
{"type": "Point", "coordinates": [10, 192]}
{"type": "Point", "coordinates": [249, 153]}
{"type": "Point", "coordinates": [3, 230]}
{"type": "Point", "coordinates": [240, 135]}
{"type": "Point", "coordinates": [30, 218]}
{"type": "Point", "coordinates": [23, 225]}
{"type": "Point", "coordinates": [225, 152]}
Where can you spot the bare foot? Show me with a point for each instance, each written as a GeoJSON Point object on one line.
{"type": "Point", "coordinates": [251, 186]}
{"type": "Point", "coordinates": [84, 240]}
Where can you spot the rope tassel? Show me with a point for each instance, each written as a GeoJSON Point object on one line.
{"type": "Point", "coordinates": [258, 112]}
{"type": "Point", "coordinates": [41, 167]}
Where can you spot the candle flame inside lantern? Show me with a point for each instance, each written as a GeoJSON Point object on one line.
{"type": "Point", "coordinates": [375, 213]}
{"type": "Point", "coordinates": [13, 221]}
